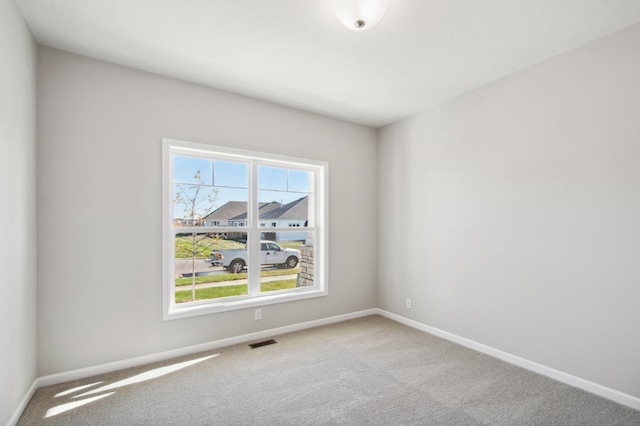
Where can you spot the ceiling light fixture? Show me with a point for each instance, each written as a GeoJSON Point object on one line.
{"type": "Point", "coordinates": [360, 15]}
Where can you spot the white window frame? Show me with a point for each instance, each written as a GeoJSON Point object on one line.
{"type": "Point", "coordinates": [172, 310]}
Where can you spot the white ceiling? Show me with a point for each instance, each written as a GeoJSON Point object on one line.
{"type": "Point", "coordinates": [295, 53]}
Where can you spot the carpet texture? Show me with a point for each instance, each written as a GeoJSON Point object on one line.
{"type": "Point", "coordinates": [368, 371]}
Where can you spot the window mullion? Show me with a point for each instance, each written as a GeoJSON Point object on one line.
{"type": "Point", "coordinates": [253, 234]}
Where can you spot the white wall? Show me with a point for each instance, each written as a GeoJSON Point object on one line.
{"type": "Point", "coordinates": [17, 210]}
{"type": "Point", "coordinates": [511, 215]}
{"type": "Point", "coordinates": [99, 216]}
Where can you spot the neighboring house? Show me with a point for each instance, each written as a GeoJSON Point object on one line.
{"type": "Point", "coordinates": [187, 222]}
{"type": "Point", "coordinates": [233, 214]}
{"type": "Point", "coordinates": [294, 215]}
{"type": "Point", "coordinates": [226, 215]}
{"type": "Point", "coordinates": [265, 208]}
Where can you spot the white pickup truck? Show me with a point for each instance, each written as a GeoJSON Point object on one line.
{"type": "Point", "coordinates": [235, 260]}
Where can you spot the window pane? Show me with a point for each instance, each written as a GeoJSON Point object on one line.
{"type": "Point", "coordinates": [210, 266]}
{"type": "Point", "coordinates": [192, 169]}
{"type": "Point", "coordinates": [230, 174]}
{"type": "Point", "coordinates": [284, 256]}
{"type": "Point", "coordinates": [192, 203]}
{"type": "Point", "coordinates": [198, 203]}
{"type": "Point", "coordinates": [299, 181]}
{"type": "Point", "coordinates": [272, 178]}
{"type": "Point", "coordinates": [229, 208]}
{"type": "Point", "coordinates": [284, 179]}
{"type": "Point", "coordinates": [284, 197]}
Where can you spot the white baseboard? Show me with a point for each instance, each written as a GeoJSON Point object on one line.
{"type": "Point", "coordinates": [577, 382]}
{"type": "Point", "coordinates": [23, 404]}
{"type": "Point", "coordinates": [162, 356]}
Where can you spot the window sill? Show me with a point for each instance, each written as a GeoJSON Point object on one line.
{"type": "Point", "coordinates": [193, 309]}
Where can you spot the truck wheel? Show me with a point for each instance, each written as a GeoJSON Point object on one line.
{"type": "Point", "coordinates": [291, 262]}
{"type": "Point", "coordinates": [236, 266]}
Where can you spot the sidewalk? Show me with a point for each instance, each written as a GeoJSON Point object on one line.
{"type": "Point", "coordinates": [236, 282]}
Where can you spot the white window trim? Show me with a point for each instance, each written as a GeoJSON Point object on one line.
{"type": "Point", "coordinates": [172, 310]}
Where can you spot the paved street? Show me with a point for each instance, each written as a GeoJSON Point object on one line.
{"type": "Point", "coordinates": [184, 266]}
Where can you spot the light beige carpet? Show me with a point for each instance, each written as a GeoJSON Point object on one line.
{"type": "Point", "coordinates": [360, 372]}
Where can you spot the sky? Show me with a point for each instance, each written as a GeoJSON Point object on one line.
{"type": "Point", "coordinates": [225, 181]}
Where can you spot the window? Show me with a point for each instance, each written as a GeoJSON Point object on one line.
{"type": "Point", "coordinates": [216, 256]}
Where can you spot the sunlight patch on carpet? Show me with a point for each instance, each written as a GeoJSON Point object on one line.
{"type": "Point", "coordinates": [147, 375]}
{"type": "Point", "coordinates": [63, 408]}
{"type": "Point", "coordinates": [76, 389]}
{"type": "Point", "coordinates": [138, 378]}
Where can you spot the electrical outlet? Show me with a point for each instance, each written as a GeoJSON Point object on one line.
{"type": "Point", "coordinates": [257, 314]}
{"type": "Point", "coordinates": [408, 303]}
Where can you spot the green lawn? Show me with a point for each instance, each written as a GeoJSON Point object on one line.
{"type": "Point", "coordinates": [231, 290]}
{"type": "Point", "coordinates": [291, 244]}
{"type": "Point", "coordinates": [204, 246]}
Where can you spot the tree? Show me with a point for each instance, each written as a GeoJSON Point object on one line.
{"type": "Point", "coordinates": [197, 201]}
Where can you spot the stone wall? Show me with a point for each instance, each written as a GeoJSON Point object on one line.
{"type": "Point", "coordinates": [306, 266]}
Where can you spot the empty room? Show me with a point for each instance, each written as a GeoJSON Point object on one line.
{"type": "Point", "coordinates": [320, 212]}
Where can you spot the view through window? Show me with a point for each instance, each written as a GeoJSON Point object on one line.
{"type": "Point", "coordinates": [240, 226]}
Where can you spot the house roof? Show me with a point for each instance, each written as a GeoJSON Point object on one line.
{"type": "Point", "coordinates": [264, 208]}
{"type": "Point", "coordinates": [228, 210]}
{"type": "Point", "coordinates": [237, 210]}
{"type": "Point", "coordinates": [295, 210]}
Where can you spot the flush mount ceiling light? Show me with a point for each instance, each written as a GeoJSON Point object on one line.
{"type": "Point", "coordinates": [360, 15]}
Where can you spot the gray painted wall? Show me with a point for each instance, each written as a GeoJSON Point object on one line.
{"type": "Point", "coordinates": [18, 209]}
{"type": "Point", "coordinates": [99, 207]}
{"type": "Point", "coordinates": [517, 207]}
